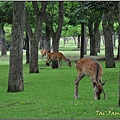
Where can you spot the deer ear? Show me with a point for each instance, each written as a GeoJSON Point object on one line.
{"type": "Point", "coordinates": [104, 82]}
{"type": "Point", "coordinates": [95, 83]}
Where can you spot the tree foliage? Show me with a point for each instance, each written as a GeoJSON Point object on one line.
{"type": "Point", "coordinates": [6, 12]}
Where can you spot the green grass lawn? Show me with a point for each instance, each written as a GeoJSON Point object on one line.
{"type": "Point", "coordinates": [50, 94]}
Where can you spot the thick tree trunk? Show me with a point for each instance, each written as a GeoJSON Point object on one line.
{"type": "Point", "coordinates": [97, 36]}
{"type": "Point", "coordinates": [107, 31]}
{"type": "Point", "coordinates": [36, 36]}
{"type": "Point", "coordinates": [55, 43]}
{"type": "Point", "coordinates": [33, 68]}
{"type": "Point", "coordinates": [15, 79]}
{"type": "Point", "coordinates": [47, 39]}
{"type": "Point", "coordinates": [92, 39]}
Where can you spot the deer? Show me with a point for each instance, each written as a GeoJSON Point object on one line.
{"type": "Point", "coordinates": [59, 56]}
{"type": "Point", "coordinates": [44, 52]}
{"type": "Point", "coordinates": [90, 67]}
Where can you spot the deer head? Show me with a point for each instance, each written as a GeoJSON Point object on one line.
{"type": "Point", "coordinates": [98, 89]}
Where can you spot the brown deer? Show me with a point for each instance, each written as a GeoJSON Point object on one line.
{"type": "Point", "coordinates": [59, 56]}
{"type": "Point", "coordinates": [90, 67]}
{"type": "Point", "coordinates": [44, 52]}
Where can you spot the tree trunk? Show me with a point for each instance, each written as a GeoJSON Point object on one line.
{"type": "Point", "coordinates": [78, 46]}
{"type": "Point", "coordinates": [3, 47]}
{"type": "Point", "coordinates": [54, 63]}
{"type": "Point", "coordinates": [118, 55]}
{"type": "Point", "coordinates": [27, 49]}
{"type": "Point", "coordinates": [56, 34]}
{"type": "Point", "coordinates": [92, 39]}
{"type": "Point", "coordinates": [82, 41]}
{"type": "Point", "coordinates": [114, 39]}
{"type": "Point", "coordinates": [107, 31]}
{"type": "Point", "coordinates": [64, 40]}
{"type": "Point", "coordinates": [15, 79]}
{"type": "Point", "coordinates": [97, 36]}
{"type": "Point", "coordinates": [47, 39]}
{"type": "Point", "coordinates": [36, 36]}
{"type": "Point", "coordinates": [74, 40]}
{"type": "Point", "coordinates": [3, 41]}
{"type": "Point", "coordinates": [56, 37]}
{"type": "Point", "coordinates": [41, 42]}
{"type": "Point", "coordinates": [85, 40]}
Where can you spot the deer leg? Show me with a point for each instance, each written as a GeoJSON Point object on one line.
{"type": "Point", "coordinates": [48, 61]}
{"type": "Point", "coordinates": [59, 64]}
{"type": "Point", "coordinates": [77, 80]}
{"type": "Point", "coordinates": [42, 57]}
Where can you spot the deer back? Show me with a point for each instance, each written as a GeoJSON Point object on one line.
{"type": "Point", "coordinates": [89, 67]}
{"type": "Point", "coordinates": [56, 55]}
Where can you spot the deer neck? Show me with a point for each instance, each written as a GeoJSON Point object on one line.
{"type": "Point", "coordinates": [65, 59]}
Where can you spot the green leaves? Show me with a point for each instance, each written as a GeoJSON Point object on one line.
{"type": "Point", "coordinates": [6, 12]}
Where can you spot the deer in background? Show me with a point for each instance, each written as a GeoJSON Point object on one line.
{"type": "Point", "coordinates": [90, 67]}
{"type": "Point", "coordinates": [44, 52]}
{"type": "Point", "coordinates": [59, 56]}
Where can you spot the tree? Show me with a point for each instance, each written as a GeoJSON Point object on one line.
{"type": "Point", "coordinates": [51, 20]}
{"type": "Point", "coordinates": [27, 49]}
{"type": "Point", "coordinates": [3, 41]}
{"type": "Point", "coordinates": [118, 55]}
{"type": "Point", "coordinates": [6, 9]}
{"type": "Point", "coordinates": [119, 49]}
{"type": "Point", "coordinates": [15, 78]}
{"type": "Point", "coordinates": [107, 23]}
{"type": "Point", "coordinates": [35, 36]}
{"type": "Point", "coordinates": [55, 26]}
{"type": "Point", "coordinates": [82, 40]}
{"type": "Point", "coordinates": [47, 39]}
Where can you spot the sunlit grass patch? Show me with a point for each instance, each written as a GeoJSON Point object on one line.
{"type": "Point", "coordinates": [50, 94]}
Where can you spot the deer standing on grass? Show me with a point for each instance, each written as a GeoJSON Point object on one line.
{"type": "Point", "coordinates": [59, 56]}
{"type": "Point", "coordinates": [90, 67]}
{"type": "Point", "coordinates": [44, 52]}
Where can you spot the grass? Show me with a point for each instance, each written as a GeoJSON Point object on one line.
{"type": "Point", "coordinates": [49, 94]}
